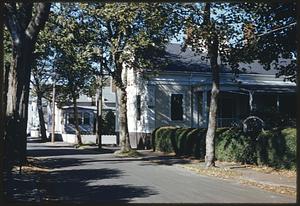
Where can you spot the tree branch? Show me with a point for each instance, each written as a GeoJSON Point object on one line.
{"type": "Point", "coordinates": [38, 21]}
{"type": "Point", "coordinates": [12, 23]}
{"type": "Point", "coordinates": [25, 14]}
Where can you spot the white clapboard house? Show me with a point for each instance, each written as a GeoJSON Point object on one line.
{"type": "Point", "coordinates": [179, 94]}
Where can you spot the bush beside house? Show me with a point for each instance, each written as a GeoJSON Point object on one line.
{"type": "Point", "coordinates": [276, 147]}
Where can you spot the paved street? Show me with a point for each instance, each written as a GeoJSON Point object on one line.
{"type": "Point", "coordinates": [78, 175]}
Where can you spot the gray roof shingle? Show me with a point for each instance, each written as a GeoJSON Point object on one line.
{"type": "Point", "coordinates": [190, 61]}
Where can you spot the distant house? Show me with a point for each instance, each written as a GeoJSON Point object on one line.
{"type": "Point", "coordinates": [179, 94]}
{"type": "Point", "coordinates": [64, 116]}
{"type": "Point", "coordinates": [65, 122]}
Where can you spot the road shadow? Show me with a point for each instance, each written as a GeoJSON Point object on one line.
{"type": "Point", "coordinates": [57, 163]}
{"type": "Point", "coordinates": [73, 186]}
{"type": "Point", "coordinates": [44, 152]}
{"type": "Point", "coordinates": [164, 160]}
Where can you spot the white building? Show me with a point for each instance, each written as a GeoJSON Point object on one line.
{"type": "Point", "coordinates": [179, 95]}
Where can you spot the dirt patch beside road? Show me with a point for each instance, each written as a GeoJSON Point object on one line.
{"type": "Point", "coordinates": [278, 181]}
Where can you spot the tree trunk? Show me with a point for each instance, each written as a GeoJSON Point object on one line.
{"type": "Point", "coordinates": [41, 117]}
{"type": "Point", "coordinates": [78, 135]}
{"type": "Point", "coordinates": [99, 122]}
{"type": "Point", "coordinates": [2, 114]}
{"type": "Point", "coordinates": [123, 125]}
{"type": "Point", "coordinates": [17, 101]}
{"type": "Point", "coordinates": [212, 121]}
{"type": "Point", "coordinates": [23, 28]}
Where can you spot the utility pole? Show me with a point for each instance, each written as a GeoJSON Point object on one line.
{"type": "Point", "coordinates": [53, 107]}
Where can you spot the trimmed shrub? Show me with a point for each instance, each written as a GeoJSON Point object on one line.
{"type": "Point", "coordinates": [234, 145]}
{"type": "Point", "coordinates": [282, 149]}
{"type": "Point", "coordinates": [263, 147]}
{"type": "Point", "coordinates": [164, 139]}
{"type": "Point", "coordinates": [182, 141]}
{"type": "Point", "coordinates": [183, 147]}
{"type": "Point", "coordinates": [195, 145]}
{"type": "Point", "coordinates": [290, 138]}
{"type": "Point", "coordinates": [153, 138]}
{"type": "Point", "coordinates": [276, 148]}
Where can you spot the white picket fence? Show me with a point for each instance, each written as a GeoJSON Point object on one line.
{"type": "Point", "coordinates": [88, 139]}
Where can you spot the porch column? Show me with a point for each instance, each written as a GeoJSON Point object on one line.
{"type": "Point", "coordinates": [251, 101]}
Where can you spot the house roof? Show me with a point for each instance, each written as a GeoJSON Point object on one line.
{"type": "Point", "coordinates": [190, 61]}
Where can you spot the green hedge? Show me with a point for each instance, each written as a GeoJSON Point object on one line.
{"type": "Point", "coordinates": [276, 148]}
{"type": "Point", "coordinates": [182, 141]}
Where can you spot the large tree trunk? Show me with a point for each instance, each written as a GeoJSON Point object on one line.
{"type": "Point", "coordinates": [99, 124]}
{"type": "Point", "coordinates": [17, 101]}
{"type": "Point", "coordinates": [2, 113]}
{"type": "Point", "coordinates": [212, 121]}
{"type": "Point", "coordinates": [123, 125]}
{"type": "Point", "coordinates": [120, 78]}
{"type": "Point", "coordinates": [23, 28]}
{"type": "Point", "coordinates": [122, 103]}
{"type": "Point", "coordinates": [4, 166]}
{"type": "Point", "coordinates": [41, 117]}
{"type": "Point", "coordinates": [78, 135]}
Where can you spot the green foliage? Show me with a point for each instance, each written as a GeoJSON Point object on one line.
{"type": "Point", "coordinates": [72, 41]}
{"type": "Point", "coordinates": [153, 137]}
{"type": "Point", "coordinates": [7, 48]}
{"type": "Point", "coordinates": [276, 148]}
{"type": "Point", "coordinates": [129, 32]}
{"type": "Point", "coordinates": [182, 141]}
{"type": "Point", "coordinates": [234, 145]}
{"type": "Point", "coordinates": [163, 139]}
{"type": "Point", "coordinates": [290, 139]}
{"type": "Point", "coordinates": [195, 143]}
{"type": "Point", "coordinates": [274, 29]}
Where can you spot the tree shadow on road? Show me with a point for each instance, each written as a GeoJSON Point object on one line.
{"type": "Point", "coordinates": [66, 151]}
{"type": "Point", "coordinates": [75, 186]}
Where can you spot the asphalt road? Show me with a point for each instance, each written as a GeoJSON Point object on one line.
{"type": "Point", "coordinates": [85, 176]}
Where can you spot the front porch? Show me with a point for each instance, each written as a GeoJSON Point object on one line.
{"type": "Point", "coordinates": [236, 105]}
